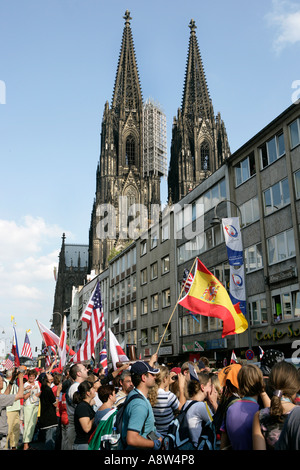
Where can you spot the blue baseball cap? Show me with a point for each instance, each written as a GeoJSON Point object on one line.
{"type": "Point", "coordinates": [141, 367]}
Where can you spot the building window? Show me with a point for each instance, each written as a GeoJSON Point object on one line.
{"type": "Point", "coordinates": [154, 334]}
{"type": "Point", "coordinates": [165, 232]}
{"type": "Point", "coordinates": [204, 152]}
{"type": "Point", "coordinates": [250, 211]}
{"type": "Point", "coordinates": [165, 264]}
{"type": "Point", "coordinates": [154, 271]}
{"type": "Point", "coordinates": [130, 151]}
{"type": "Point", "coordinates": [153, 240]}
{"type": "Point", "coordinates": [144, 276]}
{"type": "Point", "coordinates": [258, 311]}
{"type": "Point", "coordinates": [144, 337]}
{"type": "Point", "coordinates": [281, 246]}
{"type": "Point", "coordinates": [297, 184]}
{"type": "Point", "coordinates": [168, 336]}
{"type": "Point", "coordinates": [245, 169]}
{"type": "Point", "coordinates": [154, 302]}
{"type": "Point", "coordinates": [286, 306]}
{"type": "Point", "coordinates": [276, 196]}
{"type": "Point", "coordinates": [211, 198]}
{"type": "Point", "coordinates": [272, 150]}
{"type": "Point", "coordinates": [144, 306]}
{"type": "Point", "coordinates": [143, 247]}
{"type": "Point", "coordinates": [166, 298]}
{"type": "Point", "coordinates": [294, 130]}
{"type": "Point", "coordinates": [253, 256]}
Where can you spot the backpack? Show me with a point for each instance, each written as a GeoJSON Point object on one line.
{"type": "Point", "coordinates": [118, 422]}
{"type": "Point", "coordinates": [178, 436]}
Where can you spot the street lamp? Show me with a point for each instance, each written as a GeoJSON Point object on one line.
{"type": "Point", "coordinates": [216, 219]}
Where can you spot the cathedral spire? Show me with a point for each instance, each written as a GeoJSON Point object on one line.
{"type": "Point", "coordinates": [196, 101]}
{"type": "Point", "coordinates": [127, 95]}
{"type": "Point", "coordinates": [199, 141]}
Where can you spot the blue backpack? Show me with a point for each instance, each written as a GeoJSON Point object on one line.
{"type": "Point", "coordinates": [178, 436]}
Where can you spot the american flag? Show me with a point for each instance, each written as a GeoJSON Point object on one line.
{"type": "Point", "coordinates": [10, 362]}
{"type": "Point", "coordinates": [103, 357]}
{"type": "Point", "coordinates": [94, 316]}
{"type": "Point", "coordinates": [187, 280]}
{"type": "Point", "coordinates": [26, 351]}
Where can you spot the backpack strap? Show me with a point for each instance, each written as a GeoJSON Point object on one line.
{"type": "Point", "coordinates": [126, 402]}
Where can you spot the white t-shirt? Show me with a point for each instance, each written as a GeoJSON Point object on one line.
{"type": "Point", "coordinates": [196, 415]}
{"type": "Point", "coordinates": [34, 389]}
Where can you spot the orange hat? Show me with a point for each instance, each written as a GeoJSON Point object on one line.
{"type": "Point", "coordinates": [229, 373]}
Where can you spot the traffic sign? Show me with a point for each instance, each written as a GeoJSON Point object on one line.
{"type": "Point", "coordinates": [249, 354]}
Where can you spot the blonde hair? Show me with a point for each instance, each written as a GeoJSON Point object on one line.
{"type": "Point", "coordinates": [250, 380]}
{"type": "Point", "coordinates": [153, 392]}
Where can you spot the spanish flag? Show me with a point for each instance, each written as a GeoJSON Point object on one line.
{"type": "Point", "coordinates": [207, 296]}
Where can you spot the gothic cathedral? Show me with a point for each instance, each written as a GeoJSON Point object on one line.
{"type": "Point", "coordinates": [120, 172]}
{"type": "Point", "coordinates": [199, 146]}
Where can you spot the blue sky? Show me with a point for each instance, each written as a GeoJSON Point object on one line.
{"type": "Point", "coordinates": [58, 60]}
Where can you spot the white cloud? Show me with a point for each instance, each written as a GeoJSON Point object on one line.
{"type": "Point", "coordinates": [285, 18]}
{"type": "Point", "coordinates": [29, 252]}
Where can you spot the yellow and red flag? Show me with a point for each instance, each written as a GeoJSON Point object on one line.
{"type": "Point", "coordinates": [207, 296]}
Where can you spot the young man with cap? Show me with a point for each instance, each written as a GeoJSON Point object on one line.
{"type": "Point", "coordinates": [138, 419]}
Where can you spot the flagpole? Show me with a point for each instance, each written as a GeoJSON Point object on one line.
{"type": "Point", "coordinates": [182, 288]}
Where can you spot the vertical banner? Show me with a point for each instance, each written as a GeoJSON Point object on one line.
{"type": "Point", "coordinates": [237, 289]}
{"type": "Point", "coordinates": [234, 245]}
{"type": "Point", "coordinates": [233, 241]}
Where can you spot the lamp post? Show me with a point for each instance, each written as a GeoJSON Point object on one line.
{"type": "Point", "coordinates": [217, 221]}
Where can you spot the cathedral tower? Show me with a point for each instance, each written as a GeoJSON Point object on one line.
{"type": "Point", "coordinates": [120, 173]}
{"type": "Point", "coordinates": [199, 141]}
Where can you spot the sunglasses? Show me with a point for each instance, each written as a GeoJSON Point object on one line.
{"type": "Point", "coordinates": [175, 377]}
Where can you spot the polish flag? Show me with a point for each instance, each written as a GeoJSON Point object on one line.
{"type": "Point", "coordinates": [233, 359]}
{"type": "Point", "coordinates": [62, 344]}
{"type": "Point", "coordinates": [116, 352]}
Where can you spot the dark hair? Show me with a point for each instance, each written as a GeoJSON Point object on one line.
{"type": "Point", "coordinates": [105, 391]}
{"type": "Point", "coordinates": [81, 392]}
{"type": "Point", "coordinates": [194, 386]}
{"type": "Point", "coordinates": [284, 381]}
{"type": "Point", "coordinates": [73, 371]}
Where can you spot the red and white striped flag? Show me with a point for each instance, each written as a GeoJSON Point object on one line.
{"type": "Point", "coordinates": [10, 362]}
{"type": "Point", "coordinates": [116, 352]}
{"type": "Point", "coordinates": [26, 351]}
{"type": "Point", "coordinates": [94, 316]}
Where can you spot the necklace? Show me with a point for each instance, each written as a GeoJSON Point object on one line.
{"type": "Point", "coordinates": [286, 400]}
{"type": "Point", "coordinates": [250, 399]}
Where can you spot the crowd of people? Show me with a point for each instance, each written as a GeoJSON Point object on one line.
{"type": "Point", "coordinates": [248, 407]}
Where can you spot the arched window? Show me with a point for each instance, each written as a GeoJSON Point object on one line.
{"type": "Point", "coordinates": [130, 151]}
{"type": "Point", "coordinates": [205, 156]}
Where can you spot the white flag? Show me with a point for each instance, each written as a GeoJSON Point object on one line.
{"type": "Point", "coordinates": [116, 352]}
